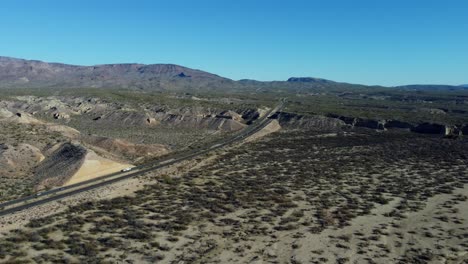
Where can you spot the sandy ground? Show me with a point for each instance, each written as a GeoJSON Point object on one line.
{"type": "Point", "coordinates": [393, 238]}
{"type": "Point", "coordinates": [95, 166]}
{"type": "Point", "coordinates": [408, 231]}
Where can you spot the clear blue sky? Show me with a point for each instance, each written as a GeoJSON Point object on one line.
{"type": "Point", "coordinates": [388, 42]}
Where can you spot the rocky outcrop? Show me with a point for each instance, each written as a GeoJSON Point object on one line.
{"type": "Point", "coordinates": [60, 166]}
{"type": "Point", "coordinates": [98, 112]}
{"type": "Point", "coordinates": [249, 115]}
{"type": "Point", "coordinates": [291, 120]}
{"type": "Point", "coordinates": [360, 122]}
{"type": "Point", "coordinates": [61, 116]}
{"type": "Point", "coordinates": [101, 113]}
{"type": "Point", "coordinates": [424, 128]}
{"type": "Point", "coordinates": [190, 120]}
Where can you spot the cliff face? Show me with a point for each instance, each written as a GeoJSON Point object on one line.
{"type": "Point", "coordinates": [331, 121]}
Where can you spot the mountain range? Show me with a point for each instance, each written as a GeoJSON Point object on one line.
{"type": "Point", "coordinates": [35, 74]}
{"type": "Point", "coordinates": [20, 73]}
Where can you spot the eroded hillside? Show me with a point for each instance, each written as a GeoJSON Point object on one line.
{"type": "Point", "coordinates": [50, 141]}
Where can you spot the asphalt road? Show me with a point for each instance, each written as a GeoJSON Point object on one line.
{"type": "Point", "coordinates": [62, 192]}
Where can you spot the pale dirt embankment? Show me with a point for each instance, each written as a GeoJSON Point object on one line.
{"type": "Point", "coordinates": [272, 127]}
{"type": "Point", "coordinates": [95, 166]}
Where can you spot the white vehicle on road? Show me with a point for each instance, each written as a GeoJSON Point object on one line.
{"type": "Point", "coordinates": [166, 161]}
{"type": "Point", "coordinates": [215, 146]}
{"type": "Point", "coordinates": [126, 169]}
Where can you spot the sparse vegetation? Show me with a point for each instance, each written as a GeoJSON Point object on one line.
{"type": "Point", "coordinates": [293, 185]}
